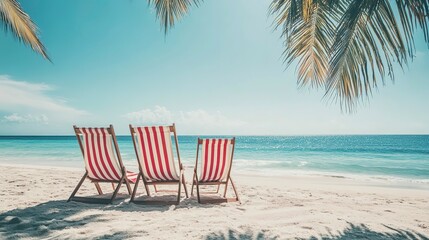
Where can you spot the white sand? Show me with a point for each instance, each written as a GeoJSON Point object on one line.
{"type": "Point", "coordinates": [33, 205]}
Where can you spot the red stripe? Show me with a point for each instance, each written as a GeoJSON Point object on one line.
{"type": "Point", "coordinates": [144, 152]}
{"type": "Point", "coordinates": [152, 160]}
{"type": "Point", "coordinates": [132, 176]}
{"type": "Point", "coordinates": [95, 156]}
{"type": "Point", "coordinates": [91, 167]}
{"type": "Point", "coordinates": [225, 147]}
{"type": "Point", "coordinates": [219, 144]}
{"type": "Point", "coordinates": [106, 152]}
{"type": "Point", "coordinates": [100, 153]}
{"type": "Point", "coordinates": [158, 154]}
{"type": "Point", "coordinates": [206, 147]}
{"type": "Point", "coordinates": [164, 148]}
{"type": "Point", "coordinates": [212, 158]}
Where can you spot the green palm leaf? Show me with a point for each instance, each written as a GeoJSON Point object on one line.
{"type": "Point", "coordinates": [169, 11]}
{"type": "Point", "coordinates": [349, 46]}
{"type": "Point", "coordinates": [367, 42]}
{"type": "Point", "coordinates": [308, 29]}
{"type": "Point", "coordinates": [16, 20]}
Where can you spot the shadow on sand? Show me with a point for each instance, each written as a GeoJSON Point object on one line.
{"type": "Point", "coordinates": [351, 232]}
{"type": "Point", "coordinates": [43, 219]}
{"type": "Point", "coordinates": [363, 232]}
{"type": "Point", "coordinates": [235, 235]}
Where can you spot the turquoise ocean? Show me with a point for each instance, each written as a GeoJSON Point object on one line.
{"type": "Point", "coordinates": [390, 156]}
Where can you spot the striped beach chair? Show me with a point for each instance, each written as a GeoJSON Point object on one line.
{"type": "Point", "coordinates": [154, 151]}
{"type": "Point", "coordinates": [216, 163]}
{"type": "Point", "coordinates": [103, 163]}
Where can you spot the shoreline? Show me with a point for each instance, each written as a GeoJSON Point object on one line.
{"type": "Point", "coordinates": [363, 179]}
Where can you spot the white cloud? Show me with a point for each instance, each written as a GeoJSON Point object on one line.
{"type": "Point", "coordinates": [29, 118]}
{"type": "Point", "coordinates": [159, 115]}
{"type": "Point", "coordinates": [190, 122]}
{"type": "Point", "coordinates": [24, 103]}
{"type": "Point", "coordinates": [203, 118]}
{"type": "Point", "coordinates": [19, 95]}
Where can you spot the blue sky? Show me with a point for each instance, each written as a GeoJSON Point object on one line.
{"type": "Point", "coordinates": [219, 71]}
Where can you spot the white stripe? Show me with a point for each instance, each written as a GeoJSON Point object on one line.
{"type": "Point", "coordinates": [221, 146]}
{"type": "Point", "coordinates": [85, 152]}
{"type": "Point", "coordinates": [147, 138]}
{"type": "Point", "coordinates": [203, 153]}
{"type": "Point", "coordinates": [144, 145]}
{"type": "Point", "coordinates": [115, 161]}
{"type": "Point", "coordinates": [155, 155]}
{"type": "Point", "coordinates": [111, 152]}
{"type": "Point", "coordinates": [136, 136]}
{"type": "Point", "coordinates": [97, 155]}
{"type": "Point", "coordinates": [103, 155]}
{"type": "Point", "coordinates": [115, 164]}
{"type": "Point", "coordinates": [160, 157]}
{"type": "Point", "coordinates": [228, 161]}
{"type": "Point", "coordinates": [216, 143]}
{"type": "Point", "coordinates": [170, 155]}
{"type": "Point", "coordinates": [209, 151]}
{"type": "Point", "coordinates": [91, 154]}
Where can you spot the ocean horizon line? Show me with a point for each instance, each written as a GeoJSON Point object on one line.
{"type": "Point", "coordinates": [243, 135]}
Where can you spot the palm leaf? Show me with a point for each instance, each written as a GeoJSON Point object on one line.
{"type": "Point", "coordinates": [350, 46]}
{"type": "Point", "coordinates": [16, 20]}
{"type": "Point", "coordinates": [368, 42]}
{"type": "Point", "coordinates": [308, 27]}
{"type": "Point", "coordinates": [169, 11]}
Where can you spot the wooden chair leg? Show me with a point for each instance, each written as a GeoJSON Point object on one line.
{"type": "Point", "coordinates": [97, 186]}
{"type": "Point", "coordinates": [226, 188]}
{"type": "Point", "coordinates": [128, 186]}
{"type": "Point", "coordinates": [156, 190]}
{"type": "Point", "coordinates": [113, 187]}
{"type": "Point", "coordinates": [135, 188]}
{"type": "Point", "coordinates": [184, 186]}
{"type": "Point", "coordinates": [235, 190]}
{"type": "Point", "coordinates": [198, 191]}
{"type": "Point", "coordinates": [117, 189]}
{"type": "Point", "coordinates": [178, 193]}
{"type": "Point", "coordinates": [193, 183]}
{"type": "Point", "coordinates": [77, 187]}
{"type": "Point", "coordinates": [192, 188]}
{"type": "Point", "coordinates": [218, 187]}
{"type": "Point", "coordinates": [147, 189]}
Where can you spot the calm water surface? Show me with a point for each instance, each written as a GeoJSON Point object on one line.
{"type": "Point", "coordinates": [405, 156]}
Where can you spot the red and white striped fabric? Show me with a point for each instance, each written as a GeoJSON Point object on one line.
{"type": "Point", "coordinates": [99, 155]}
{"type": "Point", "coordinates": [216, 159]}
{"type": "Point", "coordinates": [156, 153]}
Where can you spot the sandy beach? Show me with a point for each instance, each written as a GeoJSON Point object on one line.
{"type": "Point", "coordinates": [33, 205]}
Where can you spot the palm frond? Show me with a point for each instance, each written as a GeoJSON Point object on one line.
{"type": "Point", "coordinates": [414, 13]}
{"type": "Point", "coordinates": [16, 20]}
{"type": "Point", "coordinates": [170, 11]}
{"type": "Point", "coordinates": [308, 27]}
{"type": "Point", "coordinates": [368, 41]}
{"type": "Point", "coordinates": [350, 46]}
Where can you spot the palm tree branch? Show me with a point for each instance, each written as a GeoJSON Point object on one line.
{"type": "Point", "coordinates": [308, 28]}
{"type": "Point", "coordinates": [16, 20]}
{"type": "Point", "coordinates": [170, 11]}
{"type": "Point", "coordinates": [368, 34]}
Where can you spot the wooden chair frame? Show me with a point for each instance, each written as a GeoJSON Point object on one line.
{"type": "Point", "coordinates": [148, 183]}
{"type": "Point", "coordinates": [198, 183]}
{"type": "Point", "coordinates": [96, 182]}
